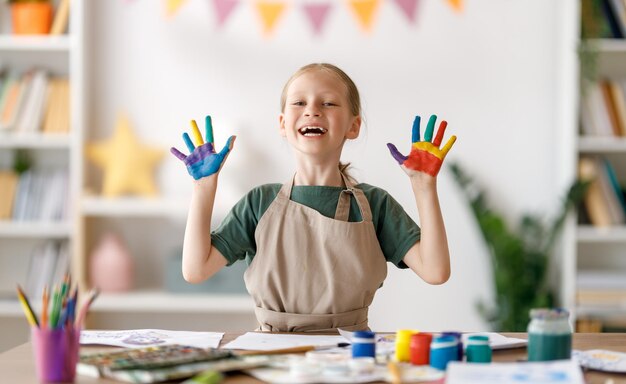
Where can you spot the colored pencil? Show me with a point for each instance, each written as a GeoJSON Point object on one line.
{"type": "Point", "coordinates": [44, 307]}
{"type": "Point", "coordinates": [56, 307]}
{"type": "Point", "coordinates": [28, 310]}
{"type": "Point", "coordinates": [83, 311]}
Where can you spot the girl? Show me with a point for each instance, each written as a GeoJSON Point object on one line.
{"type": "Point", "coordinates": [317, 246]}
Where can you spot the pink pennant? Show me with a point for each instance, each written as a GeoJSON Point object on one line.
{"type": "Point", "coordinates": [409, 7]}
{"type": "Point", "coordinates": [317, 13]}
{"type": "Point", "coordinates": [224, 8]}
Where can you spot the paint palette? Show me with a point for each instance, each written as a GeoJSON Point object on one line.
{"type": "Point", "coordinates": [153, 357]}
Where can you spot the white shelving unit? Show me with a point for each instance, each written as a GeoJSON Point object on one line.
{"type": "Point", "coordinates": [593, 248]}
{"type": "Point", "coordinates": [59, 56]}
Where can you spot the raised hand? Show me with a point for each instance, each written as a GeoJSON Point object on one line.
{"type": "Point", "coordinates": [425, 155]}
{"type": "Point", "coordinates": [203, 160]}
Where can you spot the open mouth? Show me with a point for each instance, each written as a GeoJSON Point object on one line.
{"type": "Point", "coordinates": [312, 131]}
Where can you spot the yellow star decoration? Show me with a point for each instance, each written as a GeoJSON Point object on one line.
{"type": "Point", "coordinates": [127, 164]}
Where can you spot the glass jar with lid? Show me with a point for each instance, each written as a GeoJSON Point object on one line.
{"type": "Point", "coordinates": [549, 335]}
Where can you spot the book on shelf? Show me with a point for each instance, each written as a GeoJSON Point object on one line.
{"type": "Point", "coordinates": [8, 187]}
{"type": "Point", "coordinates": [34, 102]}
{"type": "Point", "coordinates": [61, 16]}
{"type": "Point", "coordinates": [603, 109]}
{"type": "Point", "coordinates": [601, 297]}
{"type": "Point", "coordinates": [603, 200]}
{"type": "Point", "coordinates": [41, 196]}
{"type": "Point", "coordinates": [49, 262]}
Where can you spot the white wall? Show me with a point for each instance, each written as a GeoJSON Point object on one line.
{"type": "Point", "coordinates": [490, 71]}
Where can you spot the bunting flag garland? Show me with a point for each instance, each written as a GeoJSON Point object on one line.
{"type": "Point", "coordinates": [316, 13]}
{"type": "Point", "coordinates": [172, 6]}
{"type": "Point", "coordinates": [270, 12]}
{"type": "Point", "coordinates": [365, 11]}
{"type": "Point", "coordinates": [457, 5]}
{"type": "Point", "coordinates": [409, 8]}
{"type": "Point", "coordinates": [224, 8]}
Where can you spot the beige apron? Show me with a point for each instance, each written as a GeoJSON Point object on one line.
{"type": "Point", "coordinates": [311, 272]}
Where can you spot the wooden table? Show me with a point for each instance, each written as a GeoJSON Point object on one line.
{"type": "Point", "coordinates": [17, 366]}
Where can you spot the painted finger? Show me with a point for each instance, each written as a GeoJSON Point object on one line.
{"type": "Point", "coordinates": [416, 130]}
{"type": "Point", "coordinates": [177, 153]}
{"type": "Point", "coordinates": [428, 135]}
{"type": "Point", "coordinates": [396, 154]}
{"type": "Point", "coordinates": [440, 132]}
{"type": "Point", "coordinates": [228, 146]}
{"type": "Point", "coordinates": [208, 128]}
{"type": "Point", "coordinates": [188, 142]}
{"type": "Point", "coordinates": [448, 145]}
{"type": "Point", "coordinates": [197, 137]}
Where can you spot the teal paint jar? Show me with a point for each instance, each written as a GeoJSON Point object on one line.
{"type": "Point", "coordinates": [549, 335]}
{"type": "Point", "coordinates": [478, 349]}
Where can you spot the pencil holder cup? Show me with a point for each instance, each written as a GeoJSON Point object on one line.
{"type": "Point", "coordinates": [56, 353]}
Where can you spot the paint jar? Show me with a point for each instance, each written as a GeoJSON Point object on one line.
{"type": "Point", "coordinates": [403, 345]}
{"type": "Point", "coordinates": [478, 349]}
{"type": "Point", "coordinates": [549, 335]}
{"type": "Point", "coordinates": [420, 348]}
{"type": "Point", "coordinates": [443, 349]}
{"type": "Point", "coordinates": [459, 340]}
{"type": "Point", "coordinates": [363, 344]}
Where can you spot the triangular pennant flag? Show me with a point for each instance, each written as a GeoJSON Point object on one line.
{"type": "Point", "coordinates": [270, 12]}
{"type": "Point", "coordinates": [456, 4]}
{"type": "Point", "coordinates": [365, 10]}
{"type": "Point", "coordinates": [317, 13]}
{"type": "Point", "coordinates": [409, 8]}
{"type": "Point", "coordinates": [172, 6]}
{"type": "Point", "coordinates": [224, 8]}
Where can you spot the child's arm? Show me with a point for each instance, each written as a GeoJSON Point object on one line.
{"type": "Point", "coordinates": [200, 259]}
{"type": "Point", "coordinates": [429, 258]}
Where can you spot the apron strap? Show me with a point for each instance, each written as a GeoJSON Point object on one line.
{"type": "Point", "coordinates": [343, 205]}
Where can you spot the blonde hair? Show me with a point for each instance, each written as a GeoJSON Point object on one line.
{"type": "Point", "coordinates": [354, 99]}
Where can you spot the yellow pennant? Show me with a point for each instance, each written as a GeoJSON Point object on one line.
{"type": "Point", "coordinates": [270, 12]}
{"type": "Point", "coordinates": [456, 4]}
{"type": "Point", "coordinates": [172, 6]}
{"type": "Point", "coordinates": [365, 11]}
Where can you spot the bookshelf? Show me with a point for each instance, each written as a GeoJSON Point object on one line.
{"type": "Point", "coordinates": [595, 261]}
{"type": "Point", "coordinates": [59, 57]}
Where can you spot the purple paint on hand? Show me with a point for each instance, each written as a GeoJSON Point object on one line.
{"type": "Point", "coordinates": [181, 156]}
{"type": "Point", "coordinates": [396, 154]}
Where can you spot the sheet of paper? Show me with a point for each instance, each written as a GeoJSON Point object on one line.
{"type": "Point", "coordinates": [261, 341]}
{"type": "Point", "coordinates": [498, 341]}
{"type": "Point", "coordinates": [136, 338]}
{"type": "Point", "coordinates": [556, 372]}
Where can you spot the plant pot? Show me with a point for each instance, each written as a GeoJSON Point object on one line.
{"type": "Point", "coordinates": [32, 18]}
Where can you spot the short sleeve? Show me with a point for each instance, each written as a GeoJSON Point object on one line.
{"type": "Point", "coordinates": [397, 232]}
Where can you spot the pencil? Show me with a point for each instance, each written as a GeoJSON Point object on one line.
{"type": "Point", "coordinates": [44, 308]}
{"type": "Point", "coordinates": [56, 307]}
{"type": "Point", "coordinates": [300, 349]}
{"type": "Point", "coordinates": [28, 310]}
{"type": "Point", "coordinates": [83, 311]}
{"type": "Point", "coordinates": [394, 372]}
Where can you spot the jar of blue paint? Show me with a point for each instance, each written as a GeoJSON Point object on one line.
{"type": "Point", "coordinates": [549, 335]}
{"type": "Point", "coordinates": [443, 349]}
{"type": "Point", "coordinates": [363, 344]}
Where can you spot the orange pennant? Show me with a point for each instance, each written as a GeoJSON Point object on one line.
{"type": "Point", "coordinates": [365, 11]}
{"type": "Point", "coordinates": [456, 4]}
{"type": "Point", "coordinates": [172, 6]}
{"type": "Point", "coordinates": [270, 12]}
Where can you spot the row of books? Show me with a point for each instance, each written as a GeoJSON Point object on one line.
{"type": "Point", "coordinates": [603, 109]}
{"type": "Point", "coordinates": [49, 263]}
{"type": "Point", "coordinates": [34, 102]}
{"type": "Point", "coordinates": [604, 19]}
{"type": "Point", "coordinates": [601, 288]}
{"type": "Point", "coordinates": [35, 195]}
{"type": "Point", "coordinates": [604, 203]}
{"type": "Point", "coordinates": [598, 325]}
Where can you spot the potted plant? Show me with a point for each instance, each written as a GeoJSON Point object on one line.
{"type": "Point", "coordinates": [520, 258]}
{"type": "Point", "coordinates": [31, 17]}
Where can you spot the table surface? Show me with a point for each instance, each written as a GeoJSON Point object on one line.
{"type": "Point", "coordinates": [17, 366]}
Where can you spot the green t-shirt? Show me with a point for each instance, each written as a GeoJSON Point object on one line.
{"type": "Point", "coordinates": [395, 230]}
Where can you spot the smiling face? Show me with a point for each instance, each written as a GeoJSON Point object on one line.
{"type": "Point", "coordinates": [317, 116]}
